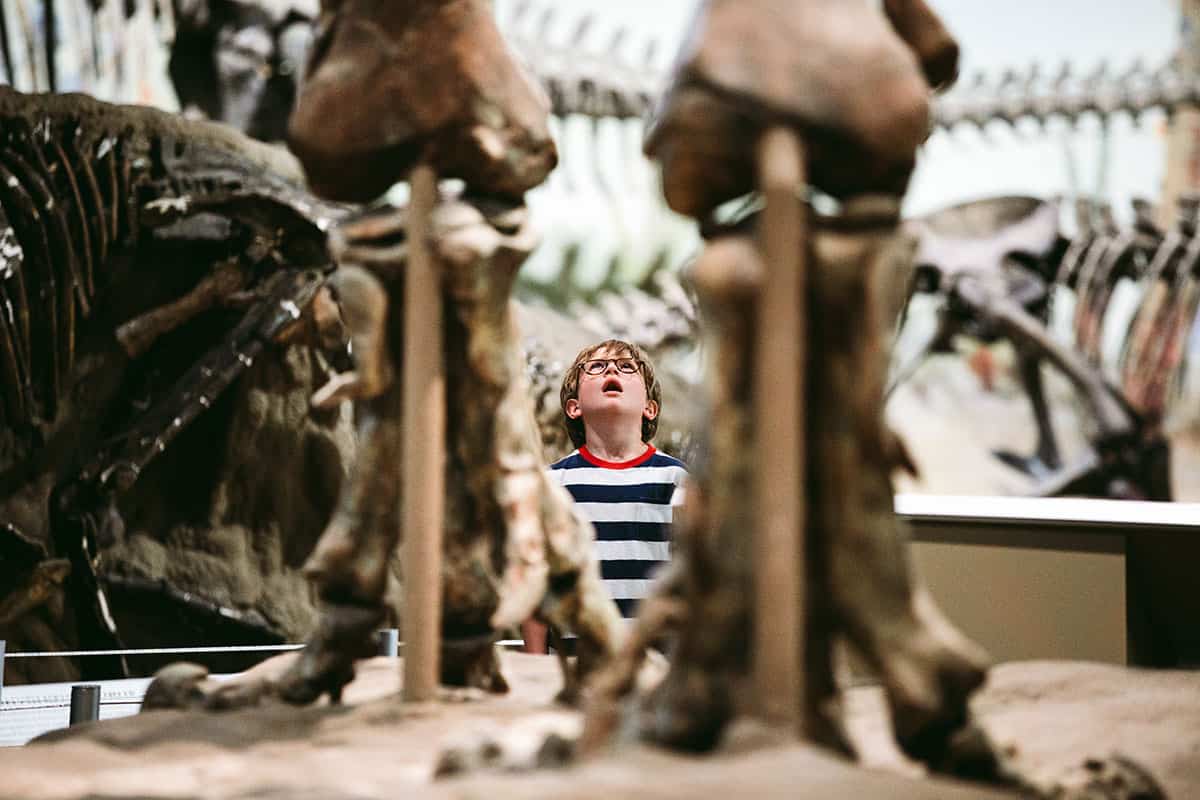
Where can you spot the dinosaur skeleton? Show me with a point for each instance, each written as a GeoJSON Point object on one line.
{"type": "Point", "coordinates": [512, 544]}
{"type": "Point", "coordinates": [93, 200]}
{"type": "Point", "coordinates": [248, 249]}
{"type": "Point", "coordinates": [856, 580]}
{"type": "Point", "coordinates": [604, 83]}
{"type": "Point", "coordinates": [608, 84]}
{"type": "Point", "coordinates": [996, 264]}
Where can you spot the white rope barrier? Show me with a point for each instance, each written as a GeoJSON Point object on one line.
{"type": "Point", "coordinates": [159, 651]}
{"type": "Point", "coordinates": [183, 650]}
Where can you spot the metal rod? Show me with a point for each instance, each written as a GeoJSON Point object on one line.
{"type": "Point", "coordinates": [85, 703]}
{"type": "Point", "coordinates": [424, 447]}
{"type": "Point", "coordinates": [779, 416]}
{"type": "Point", "coordinates": [389, 642]}
{"type": "Point", "coordinates": [3, 643]}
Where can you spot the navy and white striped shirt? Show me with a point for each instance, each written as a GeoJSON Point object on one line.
{"type": "Point", "coordinates": [631, 503]}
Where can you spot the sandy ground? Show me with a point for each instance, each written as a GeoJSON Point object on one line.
{"type": "Point", "coordinates": [1051, 714]}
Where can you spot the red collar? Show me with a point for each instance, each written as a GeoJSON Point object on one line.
{"type": "Point", "coordinates": [599, 462]}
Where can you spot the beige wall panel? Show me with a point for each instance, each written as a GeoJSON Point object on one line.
{"type": "Point", "coordinates": [1025, 593]}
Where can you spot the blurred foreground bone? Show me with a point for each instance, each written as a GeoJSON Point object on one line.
{"type": "Point", "coordinates": [510, 535]}
{"type": "Point", "coordinates": [839, 74]}
{"type": "Point", "coordinates": [513, 543]}
{"type": "Point", "coordinates": [390, 84]}
{"type": "Point", "coordinates": [834, 69]}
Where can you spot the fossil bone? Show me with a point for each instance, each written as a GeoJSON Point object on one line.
{"type": "Point", "coordinates": [441, 85]}
{"type": "Point", "coordinates": [544, 544]}
{"type": "Point", "coordinates": [861, 104]}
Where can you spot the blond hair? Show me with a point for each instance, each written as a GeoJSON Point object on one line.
{"type": "Point", "coordinates": [570, 386]}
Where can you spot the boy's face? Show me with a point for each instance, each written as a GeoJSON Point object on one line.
{"type": "Point", "coordinates": [611, 394]}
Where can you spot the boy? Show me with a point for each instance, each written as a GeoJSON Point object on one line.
{"type": "Point", "coordinates": [611, 402]}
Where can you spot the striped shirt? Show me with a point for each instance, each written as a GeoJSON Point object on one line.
{"type": "Point", "coordinates": [631, 503]}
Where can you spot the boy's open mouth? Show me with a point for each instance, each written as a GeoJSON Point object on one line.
{"type": "Point", "coordinates": [611, 385]}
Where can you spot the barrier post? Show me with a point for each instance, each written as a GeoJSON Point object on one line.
{"type": "Point", "coordinates": [85, 703]}
{"type": "Point", "coordinates": [389, 642]}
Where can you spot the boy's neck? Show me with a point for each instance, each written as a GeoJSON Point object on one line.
{"type": "Point", "coordinates": [615, 443]}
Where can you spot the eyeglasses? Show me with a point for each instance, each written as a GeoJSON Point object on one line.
{"type": "Point", "coordinates": [597, 366]}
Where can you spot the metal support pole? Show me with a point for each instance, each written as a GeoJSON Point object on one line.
{"type": "Point", "coordinates": [424, 446]}
{"type": "Point", "coordinates": [779, 389]}
{"type": "Point", "coordinates": [389, 642]}
{"type": "Point", "coordinates": [3, 644]}
{"type": "Point", "coordinates": [85, 703]}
